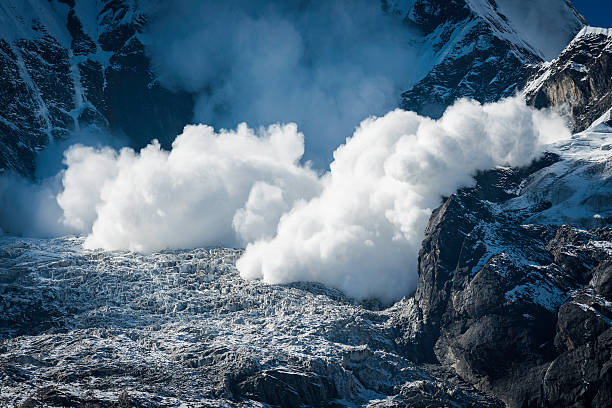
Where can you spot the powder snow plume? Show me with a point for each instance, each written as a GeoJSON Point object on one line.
{"type": "Point", "coordinates": [363, 232]}
{"type": "Point", "coordinates": [358, 227]}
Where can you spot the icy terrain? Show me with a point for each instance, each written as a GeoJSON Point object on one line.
{"type": "Point", "coordinates": [182, 328]}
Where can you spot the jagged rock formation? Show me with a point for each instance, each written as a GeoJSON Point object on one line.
{"type": "Point", "coordinates": [65, 66]}
{"type": "Point", "coordinates": [509, 298]}
{"type": "Point", "coordinates": [579, 81]}
{"type": "Point", "coordinates": [505, 304]}
{"type": "Point", "coordinates": [478, 53]}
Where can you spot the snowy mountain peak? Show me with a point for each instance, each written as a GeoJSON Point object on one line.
{"type": "Point", "coordinates": [578, 81]}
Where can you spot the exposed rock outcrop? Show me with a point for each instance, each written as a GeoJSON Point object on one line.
{"type": "Point", "coordinates": [579, 82]}
{"type": "Point", "coordinates": [519, 310]}
{"type": "Point", "coordinates": [479, 53]}
{"type": "Point", "coordinates": [56, 78]}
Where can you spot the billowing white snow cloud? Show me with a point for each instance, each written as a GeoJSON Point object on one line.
{"type": "Point", "coordinates": [198, 194]}
{"type": "Point", "coordinates": [357, 227]}
{"type": "Point", "coordinates": [363, 232]}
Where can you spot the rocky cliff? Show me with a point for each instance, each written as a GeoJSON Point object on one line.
{"type": "Point", "coordinates": [66, 65]}
{"type": "Point", "coordinates": [579, 81]}
{"type": "Point", "coordinates": [513, 291]}
{"type": "Point", "coordinates": [517, 309]}
{"type": "Point", "coordinates": [478, 51]}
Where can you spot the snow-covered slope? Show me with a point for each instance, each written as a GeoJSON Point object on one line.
{"type": "Point", "coordinates": [84, 327]}
{"type": "Point", "coordinates": [577, 189]}
{"type": "Point", "coordinates": [183, 328]}
{"type": "Point", "coordinates": [480, 49]}
{"type": "Point", "coordinates": [68, 65]}
{"type": "Point", "coordinates": [578, 82]}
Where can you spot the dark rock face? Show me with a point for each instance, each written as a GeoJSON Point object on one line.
{"type": "Point", "coordinates": [520, 311]}
{"type": "Point", "coordinates": [478, 63]}
{"type": "Point", "coordinates": [287, 388]}
{"type": "Point", "coordinates": [523, 311]}
{"type": "Point", "coordinates": [579, 81]}
{"type": "Point", "coordinates": [50, 88]}
{"type": "Point", "coordinates": [481, 66]}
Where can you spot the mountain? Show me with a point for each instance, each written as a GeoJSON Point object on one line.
{"type": "Point", "coordinates": [123, 329]}
{"type": "Point", "coordinates": [479, 48]}
{"type": "Point", "coordinates": [513, 299]}
{"type": "Point", "coordinates": [67, 65]}
{"type": "Point", "coordinates": [513, 305]}
{"type": "Point", "coordinates": [578, 80]}
{"type": "Point", "coordinates": [70, 64]}
{"type": "Point", "coordinates": [514, 273]}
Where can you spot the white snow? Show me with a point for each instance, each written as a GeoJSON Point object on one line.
{"type": "Point", "coordinates": [544, 26]}
{"type": "Point", "coordinates": [542, 293]}
{"type": "Point", "coordinates": [588, 30]}
{"type": "Point", "coordinates": [578, 185]}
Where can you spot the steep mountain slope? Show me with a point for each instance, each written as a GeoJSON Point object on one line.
{"type": "Point", "coordinates": [509, 298]}
{"type": "Point", "coordinates": [476, 50]}
{"type": "Point", "coordinates": [579, 81]}
{"type": "Point", "coordinates": [514, 300]}
{"type": "Point", "coordinates": [67, 65]}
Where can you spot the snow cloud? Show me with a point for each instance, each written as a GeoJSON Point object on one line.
{"type": "Point", "coordinates": [358, 227]}
{"type": "Point", "coordinates": [212, 188]}
{"type": "Point", "coordinates": [324, 65]}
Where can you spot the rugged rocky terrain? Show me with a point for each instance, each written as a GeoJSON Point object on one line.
{"type": "Point", "coordinates": [578, 81]}
{"type": "Point", "coordinates": [122, 329]}
{"type": "Point", "coordinates": [64, 67]}
{"type": "Point", "coordinates": [477, 51]}
{"type": "Point", "coordinates": [516, 308]}
{"type": "Point", "coordinates": [514, 274]}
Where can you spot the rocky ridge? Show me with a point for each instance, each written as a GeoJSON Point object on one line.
{"type": "Point", "coordinates": [578, 82]}
{"type": "Point", "coordinates": [477, 52]}
{"type": "Point", "coordinates": [69, 65]}
{"type": "Point", "coordinates": [513, 292]}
